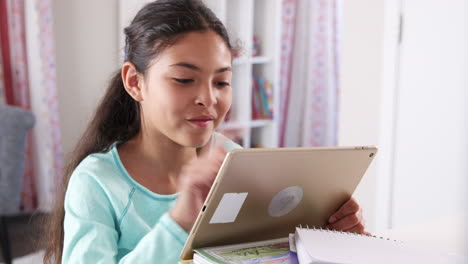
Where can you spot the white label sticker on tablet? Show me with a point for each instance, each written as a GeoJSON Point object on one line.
{"type": "Point", "coordinates": [285, 201]}
{"type": "Point", "coordinates": [228, 208]}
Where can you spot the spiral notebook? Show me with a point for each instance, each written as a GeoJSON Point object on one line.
{"type": "Point", "coordinates": [326, 246]}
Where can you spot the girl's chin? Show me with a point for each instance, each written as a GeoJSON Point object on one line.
{"type": "Point", "coordinates": [200, 140]}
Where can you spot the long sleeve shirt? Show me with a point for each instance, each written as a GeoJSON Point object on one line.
{"type": "Point", "coordinates": [111, 218]}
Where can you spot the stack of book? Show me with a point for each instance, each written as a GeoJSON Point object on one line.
{"type": "Point", "coordinates": [269, 251]}
{"type": "Point", "coordinates": [262, 99]}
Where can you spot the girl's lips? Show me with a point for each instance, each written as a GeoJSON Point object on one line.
{"type": "Point", "coordinates": [201, 122]}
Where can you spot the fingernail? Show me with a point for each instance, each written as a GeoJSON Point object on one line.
{"type": "Point", "coordinates": [332, 220]}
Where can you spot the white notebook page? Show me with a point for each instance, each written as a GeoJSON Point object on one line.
{"type": "Point", "coordinates": [324, 246]}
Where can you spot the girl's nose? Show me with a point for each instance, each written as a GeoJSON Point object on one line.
{"type": "Point", "coordinates": [206, 96]}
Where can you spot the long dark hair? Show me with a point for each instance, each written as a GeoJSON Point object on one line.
{"type": "Point", "coordinates": [117, 118]}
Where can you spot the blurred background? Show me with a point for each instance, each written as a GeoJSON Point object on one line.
{"type": "Point", "coordinates": [390, 73]}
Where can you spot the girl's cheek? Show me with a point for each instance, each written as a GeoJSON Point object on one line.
{"type": "Point", "coordinates": [227, 101]}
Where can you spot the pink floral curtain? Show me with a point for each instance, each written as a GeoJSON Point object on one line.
{"type": "Point", "coordinates": [309, 80]}
{"type": "Point", "coordinates": [28, 80]}
{"type": "Point", "coordinates": [287, 44]}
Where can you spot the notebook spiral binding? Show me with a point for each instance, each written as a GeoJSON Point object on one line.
{"type": "Point", "coordinates": [342, 232]}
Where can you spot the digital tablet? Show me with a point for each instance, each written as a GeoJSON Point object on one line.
{"type": "Point", "coordinates": [262, 194]}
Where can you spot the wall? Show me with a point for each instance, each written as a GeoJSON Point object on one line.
{"type": "Point", "coordinates": [431, 133]}
{"type": "Point", "coordinates": [361, 79]}
{"type": "Point", "coordinates": [86, 46]}
{"type": "Point", "coordinates": [410, 101]}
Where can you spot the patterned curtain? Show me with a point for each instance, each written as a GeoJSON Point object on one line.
{"type": "Point", "coordinates": [29, 81]}
{"type": "Point", "coordinates": [310, 73]}
{"type": "Point", "coordinates": [5, 70]}
{"type": "Point", "coordinates": [44, 100]}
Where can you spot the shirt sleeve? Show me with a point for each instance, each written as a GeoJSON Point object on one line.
{"type": "Point", "coordinates": [227, 143]}
{"type": "Point", "coordinates": [162, 245]}
{"type": "Point", "coordinates": [91, 233]}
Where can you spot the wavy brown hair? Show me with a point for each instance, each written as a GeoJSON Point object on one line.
{"type": "Point", "coordinates": [117, 118]}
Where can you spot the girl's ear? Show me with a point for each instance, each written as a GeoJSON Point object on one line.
{"type": "Point", "coordinates": [132, 81]}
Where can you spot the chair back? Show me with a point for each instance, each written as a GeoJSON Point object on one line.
{"type": "Point", "coordinates": [15, 122]}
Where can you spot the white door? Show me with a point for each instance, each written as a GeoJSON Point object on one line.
{"type": "Point", "coordinates": [431, 132]}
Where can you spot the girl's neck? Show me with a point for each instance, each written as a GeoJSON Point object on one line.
{"type": "Point", "coordinates": [163, 151]}
{"type": "Point", "coordinates": [155, 162]}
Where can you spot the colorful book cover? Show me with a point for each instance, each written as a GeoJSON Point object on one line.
{"type": "Point", "coordinates": [263, 252]}
{"type": "Point", "coordinates": [186, 261]}
{"type": "Point", "coordinates": [263, 96]}
{"type": "Point", "coordinates": [255, 101]}
{"type": "Point", "coordinates": [292, 250]}
{"type": "Point", "coordinates": [262, 99]}
{"type": "Point", "coordinates": [269, 94]}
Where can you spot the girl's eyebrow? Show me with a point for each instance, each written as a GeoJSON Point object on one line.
{"type": "Point", "coordinates": [196, 68]}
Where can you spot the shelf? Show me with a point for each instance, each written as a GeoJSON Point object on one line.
{"type": "Point", "coordinates": [253, 60]}
{"type": "Point", "coordinates": [241, 125]}
{"type": "Point", "coordinates": [239, 61]}
{"type": "Point", "coordinates": [232, 125]}
{"type": "Point", "coordinates": [260, 122]}
{"type": "Point", "coordinates": [260, 59]}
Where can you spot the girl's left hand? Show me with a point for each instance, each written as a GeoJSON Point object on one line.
{"type": "Point", "coordinates": [348, 218]}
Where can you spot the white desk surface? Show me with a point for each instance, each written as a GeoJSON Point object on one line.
{"type": "Point", "coordinates": [445, 234]}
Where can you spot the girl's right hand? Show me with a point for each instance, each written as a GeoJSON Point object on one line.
{"type": "Point", "coordinates": [195, 182]}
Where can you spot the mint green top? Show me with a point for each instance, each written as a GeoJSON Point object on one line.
{"type": "Point", "coordinates": [110, 218]}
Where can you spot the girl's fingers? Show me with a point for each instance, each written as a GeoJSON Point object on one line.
{"type": "Point", "coordinates": [359, 229]}
{"type": "Point", "coordinates": [348, 208]}
{"type": "Point", "coordinates": [201, 173]}
{"type": "Point", "coordinates": [347, 222]}
{"type": "Point", "coordinates": [196, 179]}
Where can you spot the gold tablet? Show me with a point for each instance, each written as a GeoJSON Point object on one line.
{"type": "Point", "coordinates": [262, 194]}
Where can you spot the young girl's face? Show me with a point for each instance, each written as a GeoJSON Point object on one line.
{"type": "Point", "coordinates": [187, 89]}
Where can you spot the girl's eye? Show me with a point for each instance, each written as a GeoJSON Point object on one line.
{"type": "Point", "coordinates": [222, 84]}
{"type": "Point", "coordinates": [183, 81]}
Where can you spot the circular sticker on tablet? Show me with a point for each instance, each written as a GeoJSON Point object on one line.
{"type": "Point", "coordinates": [285, 201]}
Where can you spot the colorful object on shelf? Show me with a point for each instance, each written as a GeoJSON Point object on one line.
{"type": "Point", "coordinates": [255, 47]}
{"type": "Point", "coordinates": [236, 53]}
{"type": "Point", "coordinates": [262, 99]}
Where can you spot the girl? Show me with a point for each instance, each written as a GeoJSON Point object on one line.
{"type": "Point", "coordinates": [145, 164]}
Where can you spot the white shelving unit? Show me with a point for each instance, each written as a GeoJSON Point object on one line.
{"type": "Point", "coordinates": [244, 19]}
